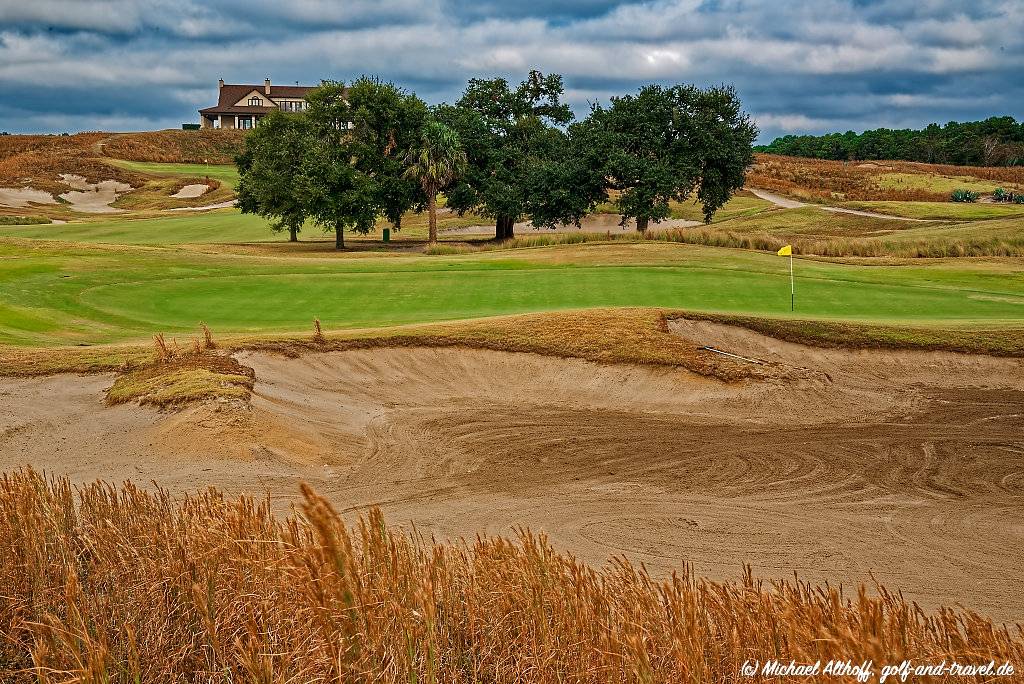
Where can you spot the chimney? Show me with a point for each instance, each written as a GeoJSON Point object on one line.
{"type": "Point", "coordinates": [220, 83]}
{"type": "Point", "coordinates": [266, 86]}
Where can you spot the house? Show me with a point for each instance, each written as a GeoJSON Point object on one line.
{"type": "Point", "coordinates": [241, 106]}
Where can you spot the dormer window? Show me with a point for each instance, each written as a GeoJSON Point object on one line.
{"type": "Point", "coordinates": [255, 102]}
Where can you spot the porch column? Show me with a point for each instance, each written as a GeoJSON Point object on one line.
{"type": "Point", "coordinates": [236, 121]}
{"type": "Point", "coordinates": [220, 121]}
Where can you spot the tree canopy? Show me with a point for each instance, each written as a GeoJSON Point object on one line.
{"type": "Point", "coordinates": [354, 171]}
{"type": "Point", "coordinates": [996, 141]}
{"type": "Point", "coordinates": [434, 162]}
{"type": "Point", "coordinates": [370, 150]}
{"type": "Point", "coordinates": [665, 144]}
{"type": "Point", "coordinates": [513, 140]}
{"type": "Point", "coordinates": [270, 172]}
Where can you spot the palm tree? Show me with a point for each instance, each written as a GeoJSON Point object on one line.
{"type": "Point", "coordinates": [435, 163]}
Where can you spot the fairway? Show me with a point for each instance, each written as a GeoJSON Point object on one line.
{"type": "Point", "coordinates": [221, 226]}
{"type": "Point", "coordinates": [225, 173]}
{"type": "Point", "coordinates": [90, 295]}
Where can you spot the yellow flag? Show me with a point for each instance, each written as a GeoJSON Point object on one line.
{"type": "Point", "coordinates": [786, 251]}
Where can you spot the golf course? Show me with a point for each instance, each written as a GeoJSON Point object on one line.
{"type": "Point", "coordinates": [67, 294]}
{"type": "Point", "coordinates": [650, 397]}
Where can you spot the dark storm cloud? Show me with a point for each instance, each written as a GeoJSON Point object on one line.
{"type": "Point", "coordinates": [798, 66]}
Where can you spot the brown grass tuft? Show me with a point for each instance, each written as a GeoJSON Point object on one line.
{"type": "Point", "coordinates": [163, 353]}
{"type": "Point", "coordinates": [184, 378]}
{"type": "Point", "coordinates": [208, 342]}
{"type": "Point", "coordinates": [117, 584]}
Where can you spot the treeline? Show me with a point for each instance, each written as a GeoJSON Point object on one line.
{"type": "Point", "coordinates": [996, 141]}
{"type": "Point", "coordinates": [371, 150]}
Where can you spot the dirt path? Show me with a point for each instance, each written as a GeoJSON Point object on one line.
{"type": "Point", "coordinates": [908, 465]}
{"type": "Point", "coordinates": [786, 203]}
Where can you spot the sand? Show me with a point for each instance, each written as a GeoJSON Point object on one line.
{"type": "Point", "coordinates": [191, 191]}
{"type": "Point", "coordinates": [908, 465]}
{"type": "Point", "coordinates": [19, 198]}
{"type": "Point", "coordinates": [218, 205]}
{"type": "Point", "coordinates": [92, 198]}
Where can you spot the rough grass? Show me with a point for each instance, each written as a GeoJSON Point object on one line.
{"type": "Point", "coordinates": [820, 180]}
{"type": "Point", "coordinates": [116, 584]}
{"type": "Point", "coordinates": [940, 211]}
{"type": "Point", "coordinates": [189, 147]}
{"type": "Point", "coordinates": [23, 220]}
{"type": "Point", "coordinates": [833, 334]}
{"type": "Point", "coordinates": [38, 160]}
{"type": "Point", "coordinates": [602, 335]}
{"type": "Point", "coordinates": [810, 230]}
{"type": "Point", "coordinates": [178, 376]}
{"type": "Point", "coordinates": [156, 193]}
{"type": "Point", "coordinates": [195, 377]}
{"type": "Point", "coordinates": [636, 336]}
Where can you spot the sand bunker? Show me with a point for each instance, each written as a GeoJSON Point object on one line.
{"type": "Point", "coordinates": [906, 464]}
{"type": "Point", "coordinates": [594, 223]}
{"type": "Point", "coordinates": [92, 198]}
{"type": "Point", "coordinates": [191, 191]}
{"type": "Point", "coordinates": [218, 205]}
{"type": "Point", "coordinates": [19, 198]}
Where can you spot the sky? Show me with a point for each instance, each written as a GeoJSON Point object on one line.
{"type": "Point", "coordinates": [799, 67]}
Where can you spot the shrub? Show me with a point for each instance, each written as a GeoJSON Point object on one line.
{"type": "Point", "coordinates": [1000, 195]}
{"type": "Point", "coordinates": [961, 195]}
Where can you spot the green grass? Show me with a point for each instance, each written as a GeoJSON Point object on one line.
{"type": "Point", "coordinates": [59, 294]}
{"type": "Point", "coordinates": [812, 221]}
{"type": "Point", "coordinates": [227, 174]}
{"type": "Point", "coordinates": [743, 204]}
{"type": "Point", "coordinates": [223, 226]}
{"type": "Point", "coordinates": [739, 205]}
{"type": "Point", "coordinates": [227, 226]}
{"type": "Point", "coordinates": [942, 211]}
{"type": "Point", "coordinates": [936, 183]}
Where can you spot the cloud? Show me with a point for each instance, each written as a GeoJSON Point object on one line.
{"type": "Point", "coordinates": [832, 64]}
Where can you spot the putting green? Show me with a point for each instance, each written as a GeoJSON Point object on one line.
{"type": "Point", "coordinates": [67, 295]}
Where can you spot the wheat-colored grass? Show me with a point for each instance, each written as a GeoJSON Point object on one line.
{"type": "Point", "coordinates": [116, 584]}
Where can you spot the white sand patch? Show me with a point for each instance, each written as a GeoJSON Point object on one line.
{"type": "Point", "coordinates": [20, 198]}
{"type": "Point", "coordinates": [191, 191]}
{"type": "Point", "coordinates": [219, 205]}
{"type": "Point", "coordinates": [92, 198]}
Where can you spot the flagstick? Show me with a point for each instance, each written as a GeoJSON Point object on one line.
{"type": "Point", "coordinates": [792, 286]}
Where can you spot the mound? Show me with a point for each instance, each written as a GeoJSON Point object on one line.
{"type": "Point", "coordinates": [819, 180]}
{"type": "Point", "coordinates": [189, 147]}
{"type": "Point", "coordinates": [37, 161]}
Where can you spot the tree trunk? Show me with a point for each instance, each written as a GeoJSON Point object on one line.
{"type": "Point", "coordinates": [293, 234]}
{"type": "Point", "coordinates": [505, 228]}
{"type": "Point", "coordinates": [432, 214]}
{"type": "Point", "coordinates": [641, 223]}
{"type": "Point", "coordinates": [339, 237]}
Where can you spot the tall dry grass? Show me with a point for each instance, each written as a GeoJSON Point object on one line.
{"type": "Point", "coordinates": [116, 584]}
{"type": "Point", "coordinates": [931, 247]}
{"type": "Point", "coordinates": [828, 180]}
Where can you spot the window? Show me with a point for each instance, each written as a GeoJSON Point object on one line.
{"type": "Point", "coordinates": [255, 102]}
